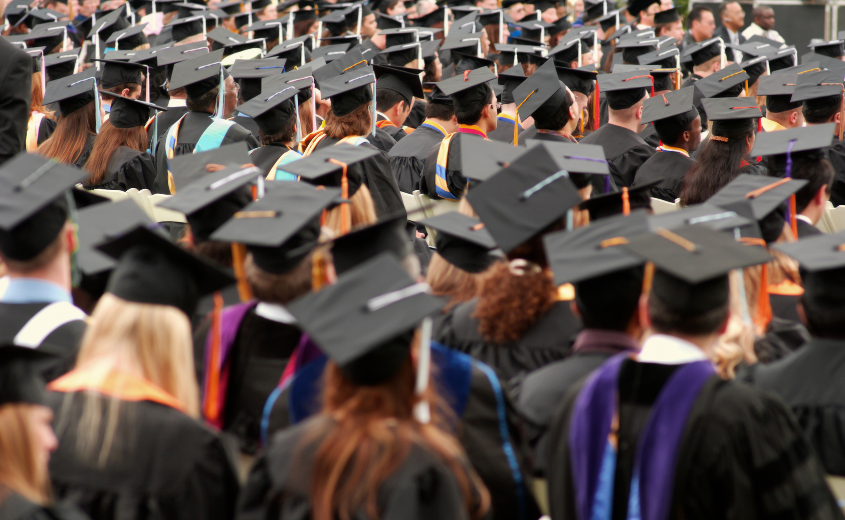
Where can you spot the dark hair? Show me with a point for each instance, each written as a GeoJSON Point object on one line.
{"type": "Point", "coordinates": [439, 111]}
{"type": "Point", "coordinates": [823, 320]}
{"type": "Point", "coordinates": [666, 127]}
{"type": "Point", "coordinates": [821, 110]}
{"type": "Point", "coordinates": [118, 89]}
{"type": "Point", "coordinates": [204, 102]}
{"type": "Point", "coordinates": [818, 173]}
{"type": "Point", "coordinates": [390, 5]}
{"type": "Point", "coordinates": [429, 72]}
{"type": "Point", "coordinates": [301, 27]}
{"type": "Point", "coordinates": [287, 133]}
{"type": "Point", "coordinates": [665, 318]}
{"type": "Point", "coordinates": [695, 15]}
{"type": "Point", "coordinates": [717, 165]}
{"type": "Point", "coordinates": [387, 99]}
{"type": "Point", "coordinates": [608, 302]}
{"type": "Point", "coordinates": [470, 113]}
{"type": "Point", "coordinates": [557, 119]}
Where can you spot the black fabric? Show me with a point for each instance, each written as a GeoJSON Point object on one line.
{"type": "Point", "coordinates": [251, 125]}
{"type": "Point", "coordinates": [381, 140]}
{"type": "Point", "coordinates": [32, 236]}
{"type": "Point", "coordinates": [669, 168]}
{"type": "Point", "coordinates": [164, 464]}
{"type": "Point", "coordinates": [625, 152]}
{"type": "Point", "coordinates": [165, 121]}
{"type": "Point", "coordinates": [836, 154]}
{"type": "Point", "coordinates": [86, 151]}
{"type": "Point", "coordinates": [46, 129]}
{"type": "Point", "coordinates": [408, 158]}
{"type": "Point", "coordinates": [741, 456]}
{"type": "Point", "coordinates": [16, 507]}
{"type": "Point", "coordinates": [15, 83]}
{"type": "Point", "coordinates": [549, 339]}
{"type": "Point", "coordinates": [503, 131]}
{"type": "Point", "coordinates": [128, 169]}
{"type": "Point", "coordinates": [805, 229]}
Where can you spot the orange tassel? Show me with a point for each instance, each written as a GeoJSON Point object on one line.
{"type": "Point", "coordinates": [764, 306]}
{"type": "Point", "coordinates": [793, 217]}
{"type": "Point", "coordinates": [596, 111]}
{"type": "Point", "coordinates": [319, 270]}
{"type": "Point", "coordinates": [211, 407]}
{"type": "Point", "coordinates": [648, 276]}
{"type": "Point", "coordinates": [626, 201]}
{"type": "Point", "coordinates": [516, 120]}
{"type": "Point", "coordinates": [238, 259]}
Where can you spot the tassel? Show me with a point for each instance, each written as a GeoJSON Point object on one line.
{"type": "Point", "coordinates": [516, 118]}
{"type": "Point", "coordinates": [211, 407]}
{"type": "Point", "coordinates": [648, 276]}
{"type": "Point", "coordinates": [238, 258]}
{"type": "Point", "coordinates": [746, 88]}
{"type": "Point", "coordinates": [596, 111]}
{"type": "Point", "coordinates": [793, 216]}
{"type": "Point", "coordinates": [319, 271]}
{"type": "Point", "coordinates": [626, 201]}
{"type": "Point", "coordinates": [764, 306]}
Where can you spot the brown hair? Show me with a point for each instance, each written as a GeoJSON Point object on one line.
{"type": "Point", "coordinates": [279, 288]}
{"type": "Point", "coordinates": [301, 27]}
{"type": "Point", "coordinates": [68, 140]}
{"type": "Point", "coordinates": [357, 122]}
{"type": "Point", "coordinates": [20, 469]}
{"type": "Point", "coordinates": [38, 97]}
{"type": "Point", "coordinates": [42, 259]}
{"type": "Point", "coordinates": [285, 135]}
{"type": "Point", "coordinates": [110, 139]}
{"type": "Point", "coordinates": [306, 118]}
{"type": "Point", "coordinates": [361, 207]}
{"type": "Point", "coordinates": [373, 435]}
{"type": "Point", "coordinates": [447, 279]}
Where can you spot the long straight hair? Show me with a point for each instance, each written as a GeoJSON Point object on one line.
{"type": "Point", "coordinates": [150, 341]}
{"type": "Point", "coordinates": [38, 96]}
{"type": "Point", "coordinates": [20, 469]}
{"type": "Point", "coordinates": [373, 435]}
{"type": "Point", "coordinates": [717, 165]}
{"type": "Point", "coordinates": [68, 140]}
{"type": "Point", "coordinates": [109, 141]}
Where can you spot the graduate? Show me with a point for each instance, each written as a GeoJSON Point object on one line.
{"type": "Point", "coordinates": [475, 109]}
{"type": "Point", "coordinates": [614, 445]}
{"type": "Point", "coordinates": [508, 80]}
{"type": "Point", "coordinates": [431, 476]}
{"type": "Point", "coordinates": [408, 157]}
{"type": "Point", "coordinates": [706, 57]}
{"type": "Point", "coordinates": [249, 74]}
{"type": "Point", "coordinates": [128, 412]}
{"type": "Point", "coordinates": [781, 112]}
{"type": "Point", "coordinates": [678, 126]}
{"type": "Point", "coordinates": [348, 121]}
{"type": "Point", "coordinates": [608, 284]}
{"type": "Point", "coordinates": [37, 242]}
{"type": "Point", "coordinates": [76, 129]}
{"type": "Point", "coordinates": [624, 149]}
{"type": "Point", "coordinates": [582, 83]}
{"type": "Point", "coordinates": [121, 78]}
{"type": "Point", "coordinates": [203, 127]}
{"type": "Point", "coordinates": [120, 158]}
{"type": "Point", "coordinates": [552, 105]}
{"type": "Point", "coordinates": [396, 90]}
{"type": "Point", "coordinates": [41, 124]}
{"type": "Point", "coordinates": [518, 206]}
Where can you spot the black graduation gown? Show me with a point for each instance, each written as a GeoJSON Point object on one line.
{"type": "Point", "coordinates": [393, 131]}
{"type": "Point", "coordinates": [811, 383]}
{"type": "Point", "coordinates": [16, 507]}
{"type": "Point", "coordinates": [668, 167]}
{"type": "Point", "coordinates": [128, 169]}
{"type": "Point", "coordinates": [166, 465]}
{"type": "Point", "coordinates": [408, 157]}
{"type": "Point", "coordinates": [650, 136]}
{"type": "Point", "coordinates": [382, 140]}
{"type": "Point", "coordinates": [190, 131]}
{"type": "Point", "coordinates": [165, 121]}
{"type": "Point", "coordinates": [805, 229]}
{"type": "Point", "coordinates": [417, 115]}
{"type": "Point", "coordinates": [63, 342]}
{"type": "Point", "coordinates": [371, 52]}
{"type": "Point", "coordinates": [741, 454]}
{"type": "Point", "coordinates": [266, 156]}
{"type": "Point", "coordinates": [525, 135]}
{"type": "Point", "coordinates": [378, 177]}
{"type": "Point", "coordinates": [456, 181]}
{"type": "Point", "coordinates": [625, 152]}
{"type": "Point", "coordinates": [549, 340]}
{"type": "Point", "coordinates": [691, 80]}
{"type": "Point", "coordinates": [46, 129]}
{"type": "Point", "coordinates": [488, 411]}
{"type": "Point", "coordinates": [248, 123]}
{"type": "Point", "coordinates": [258, 358]}
{"type": "Point", "coordinates": [836, 154]}
{"type": "Point", "coordinates": [503, 131]}
{"type": "Point", "coordinates": [86, 151]}
{"type": "Point", "coordinates": [421, 488]}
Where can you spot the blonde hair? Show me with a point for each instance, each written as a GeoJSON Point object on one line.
{"type": "Point", "coordinates": [20, 469]}
{"type": "Point", "coordinates": [150, 341]}
{"type": "Point", "coordinates": [361, 207]}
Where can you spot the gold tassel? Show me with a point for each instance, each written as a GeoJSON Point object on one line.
{"type": "Point", "coordinates": [238, 259]}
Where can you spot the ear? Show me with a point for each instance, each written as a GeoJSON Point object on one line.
{"type": "Point", "coordinates": [639, 112]}
{"type": "Point", "coordinates": [821, 196]}
{"type": "Point", "coordinates": [793, 117]}
{"type": "Point", "coordinates": [686, 136]}
{"type": "Point", "coordinates": [836, 117]}
{"type": "Point", "coordinates": [124, 92]}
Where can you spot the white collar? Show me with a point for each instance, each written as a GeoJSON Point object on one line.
{"type": "Point", "coordinates": [177, 103]}
{"type": "Point", "coordinates": [274, 312]}
{"type": "Point", "coordinates": [669, 350]}
{"type": "Point", "coordinates": [805, 218]}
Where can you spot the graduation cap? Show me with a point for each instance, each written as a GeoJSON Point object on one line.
{"type": "Point", "coordinates": [49, 38]}
{"type": "Point", "coordinates": [578, 80]}
{"type": "Point", "coordinates": [778, 90]}
{"type": "Point", "coordinates": [148, 57]}
{"type": "Point", "coordinates": [271, 109]}
{"type": "Point", "coordinates": [186, 9]}
{"type": "Point", "coordinates": [364, 243]}
{"type": "Point", "coordinates": [163, 6]}
{"type": "Point", "coordinates": [609, 204]}
{"type": "Point", "coordinates": [330, 52]}
{"type": "Point", "coordinates": [250, 72]}
{"type": "Point", "coordinates": [365, 321]}
{"type": "Point", "coordinates": [406, 82]}
{"type": "Point", "coordinates": [129, 113]}
{"type": "Point", "coordinates": [668, 16]}
{"type": "Point", "coordinates": [115, 73]}
{"type": "Point", "coordinates": [402, 54]}
{"type": "Point", "coordinates": [187, 169]}
{"type": "Point", "coordinates": [20, 379]}
{"type": "Point", "coordinates": [812, 66]}
{"type": "Point", "coordinates": [245, 18]}
{"type": "Point", "coordinates": [663, 58]}
{"type": "Point", "coordinates": [349, 90]}
{"type": "Point", "coordinates": [61, 64]}
{"type": "Point", "coordinates": [633, 48]}
{"type": "Point", "coordinates": [173, 55]}
{"type": "Point", "coordinates": [462, 241]}
{"type": "Point", "coordinates": [725, 83]}
{"type": "Point", "coordinates": [237, 50]}
{"type": "Point", "coordinates": [783, 59]}
{"type": "Point", "coordinates": [818, 86]}
{"type": "Point", "coordinates": [389, 22]}
{"type": "Point", "coordinates": [268, 30]}
{"type": "Point", "coordinates": [706, 215]}
{"type": "Point", "coordinates": [480, 158]}
{"type": "Point", "coordinates": [692, 264]}
{"type": "Point", "coordinates": [580, 161]}
{"type": "Point", "coordinates": [457, 41]}
{"type": "Point", "coordinates": [104, 26]}
{"type": "Point", "coordinates": [198, 75]}
{"type": "Point", "coordinates": [635, 6]}
{"type": "Point", "coordinates": [325, 167]}
{"type": "Point", "coordinates": [524, 198]}
{"type": "Point", "coordinates": [301, 78]}
{"type": "Point", "coordinates": [611, 19]}
{"type": "Point", "coordinates": [625, 89]}
{"type": "Point", "coordinates": [822, 276]}
{"type": "Point", "coordinates": [594, 9]}
{"type": "Point", "coordinates": [594, 251]}
{"type": "Point", "coordinates": [467, 89]}
{"type": "Point", "coordinates": [95, 224]}
{"type": "Point", "coordinates": [730, 113]}
{"type": "Point", "coordinates": [36, 17]}
{"type": "Point", "coordinates": [231, 8]}
{"type": "Point", "coordinates": [294, 50]}
{"type": "Point", "coordinates": [130, 37]}
{"type": "Point", "coordinates": [833, 49]}
{"type": "Point", "coordinates": [534, 30]}
{"type": "Point", "coordinates": [464, 62]}
{"type": "Point", "coordinates": [510, 54]}
{"type": "Point", "coordinates": [790, 149]}
{"type": "Point", "coordinates": [221, 37]}
{"type": "Point", "coordinates": [429, 49]}
{"type": "Point", "coordinates": [350, 40]}
{"type": "Point", "coordinates": [153, 270]}
{"type": "Point", "coordinates": [510, 79]}
{"type": "Point", "coordinates": [32, 205]}
{"type": "Point", "coordinates": [71, 92]}
{"type": "Point", "coordinates": [541, 94]}
{"type": "Point", "coordinates": [766, 194]}
{"type": "Point", "coordinates": [755, 68]}
{"type": "Point", "coordinates": [671, 112]}
{"type": "Point", "coordinates": [702, 52]}
{"type": "Point", "coordinates": [466, 24]}
{"type": "Point", "coordinates": [334, 23]}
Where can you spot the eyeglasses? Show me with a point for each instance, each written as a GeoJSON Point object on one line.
{"type": "Point", "coordinates": [495, 106]}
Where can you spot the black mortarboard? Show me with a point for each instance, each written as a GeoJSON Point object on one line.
{"type": "Point", "coordinates": [401, 55]}
{"type": "Point", "coordinates": [221, 37]}
{"type": "Point", "coordinates": [32, 207]}
{"type": "Point", "coordinates": [534, 30]}
{"type": "Point", "coordinates": [330, 52]}
{"type": "Point", "coordinates": [130, 113]}
{"type": "Point", "coordinates": [271, 108]}
{"type": "Point", "coordinates": [350, 40]}
{"type": "Point", "coordinates": [49, 38]}
{"type": "Point", "coordinates": [430, 19]}
{"type": "Point", "coordinates": [114, 73]}
{"type": "Point", "coordinates": [153, 270]}
{"type": "Point", "coordinates": [429, 50]}
{"type": "Point", "coordinates": [707, 215]}
{"type": "Point", "coordinates": [625, 89]}
{"type": "Point", "coordinates": [492, 17]}
{"type": "Point", "coordinates": [609, 204]}
{"type": "Point", "coordinates": [20, 379]}
{"type": "Point", "coordinates": [794, 140]}
{"type": "Point", "coordinates": [751, 49]}
{"type": "Point", "coordinates": [231, 8]}
{"type": "Point", "coordinates": [465, 24]}
{"type": "Point", "coordinates": [510, 79]}
{"type": "Point", "coordinates": [71, 92]}
{"type": "Point", "coordinates": [462, 241]}
{"type": "Point", "coordinates": [833, 49]}
{"type": "Point", "coordinates": [818, 87]}
{"type": "Point", "coordinates": [466, 89]}
{"type": "Point", "coordinates": [295, 51]}
{"type": "Point", "coordinates": [580, 160]}
{"type": "Point", "coordinates": [755, 68]}
{"type": "Point", "coordinates": [198, 75]}
{"type": "Point", "coordinates": [129, 37]}
{"type": "Point", "coordinates": [822, 275]}
{"type": "Point", "coordinates": [663, 58]}
{"type": "Point", "coordinates": [365, 321]}
{"type": "Point", "coordinates": [354, 13]}
{"type": "Point", "coordinates": [635, 6]}
{"type": "Point", "coordinates": [628, 31]}
{"type": "Point", "coordinates": [455, 41]}
{"type": "Point", "coordinates": [242, 19]}
{"type": "Point", "coordinates": [464, 62]}
{"type": "Point", "coordinates": [349, 89]}
{"type": "Point", "coordinates": [725, 83]}
{"type": "Point", "coordinates": [542, 93]}
{"type": "Point", "coordinates": [61, 64]}
{"type": "Point", "coordinates": [692, 266]}
{"type": "Point", "coordinates": [281, 228]}
{"type": "Point", "coordinates": [702, 52]}
{"type": "Point", "coordinates": [316, 168]}
{"type": "Point", "coordinates": [249, 74]}
{"type": "Point", "coordinates": [301, 78]}
{"type": "Point", "coordinates": [125, 56]}
{"type": "Point", "coordinates": [730, 113]}
{"type": "Point", "coordinates": [105, 25]}
{"type": "Point", "coordinates": [483, 158]}
{"type": "Point", "coordinates": [403, 81]}
{"type": "Point", "coordinates": [180, 53]}
{"type": "Point", "coordinates": [594, 9]}
{"type": "Point", "coordinates": [36, 17]}
{"type": "Point", "coordinates": [437, 96]}
{"type": "Point", "coordinates": [633, 48]}
{"type": "Point", "coordinates": [236, 48]}
{"type": "Point", "coordinates": [671, 112]}
{"type": "Point", "coordinates": [513, 54]}
{"type": "Point", "coordinates": [268, 30]}
{"type": "Point", "coordinates": [364, 243]}
{"type": "Point", "coordinates": [667, 16]}
{"type": "Point", "coordinates": [335, 23]}
{"type": "Point", "coordinates": [746, 187]}
{"type": "Point", "coordinates": [577, 80]}
{"type": "Point", "coordinates": [37, 54]}
{"type": "Point", "coordinates": [190, 168]}
{"type": "Point", "coordinates": [594, 250]}
{"type": "Point", "coordinates": [611, 19]}
{"type": "Point", "coordinates": [389, 22]}
{"type": "Point", "coordinates": [523, 199]}
{"type": "Point", "coordinates": [778, 89]}
{"type": "Point", "coordinates": [783, 59]}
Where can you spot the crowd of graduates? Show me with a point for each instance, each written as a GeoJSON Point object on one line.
{"type": "Point", "coordinates": [369, 260]}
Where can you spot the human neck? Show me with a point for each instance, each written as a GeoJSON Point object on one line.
{"type": "Point", "coordinates": [483, 125]}
{"type": "Point", "coordinates": [631, 124]}
{"type": "Point", "coordinates": [681, 144]}
{"type": "Point", "coordinates": [702, 73]}
{"type": "Point", "coordinates": [450, 126]}
{"type": "Point", "coordinates": [705, 343]}
{"type": "Point", "coordinates": [562, 132]}
{"type": "Point", "coordinates": [509, 109]}
{"type": "Point", "coordinates": [781, 118]}
{"type": "Point", "coordinates": [814, 212]}
{"type": "Point", "coordinates": [56, 272]}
